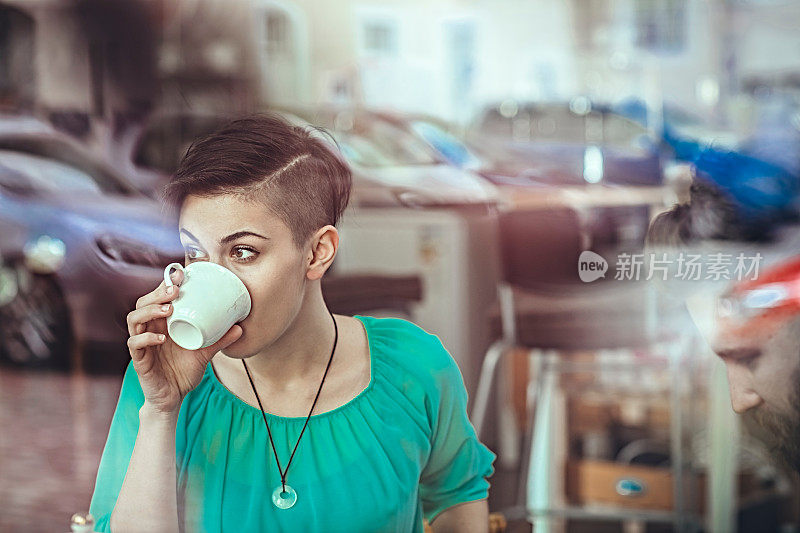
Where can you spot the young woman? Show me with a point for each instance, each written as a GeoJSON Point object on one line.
{"type": "Point", "coordinates": [297, 419]}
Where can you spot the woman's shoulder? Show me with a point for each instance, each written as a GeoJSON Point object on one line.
{"type": "Point", "coordinates": [402, 344]}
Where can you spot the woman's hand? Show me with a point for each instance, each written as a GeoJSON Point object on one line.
{"type": "Point", "coordinates": [166, 371]}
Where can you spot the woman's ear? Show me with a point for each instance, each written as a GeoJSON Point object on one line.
{"type": "Point", "coordinates": [321, 252]}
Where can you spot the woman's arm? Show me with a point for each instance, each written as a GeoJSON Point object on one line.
{"type": "Point", "coordinates": [165, 373]}
{"type": "Point", "coordinates": [454, 483]}
{"type": "Point", "coordinates": [469, 517]}
{"type": "Point", "coordinates": [147, 500]}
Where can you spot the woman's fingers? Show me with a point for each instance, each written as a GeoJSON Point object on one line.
{"type": "Point", "coordinates": [139, 317]}
{"type": "Point", "coordinates": [138, 343]}
{"type": "Point", "coordinates": [162, 293]}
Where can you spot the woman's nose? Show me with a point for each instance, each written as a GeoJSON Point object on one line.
{"type": "Point", "coordinates": [743, 396]}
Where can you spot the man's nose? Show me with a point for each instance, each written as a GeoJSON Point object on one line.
{"type": "Point", "coordinates": [743, 397]}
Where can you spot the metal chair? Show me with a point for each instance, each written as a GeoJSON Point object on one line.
{"type": "Point", "coordinates": [543, 308]}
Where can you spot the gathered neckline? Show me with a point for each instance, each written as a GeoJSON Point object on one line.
{"type": "Point", "coordinates": [214, 379]}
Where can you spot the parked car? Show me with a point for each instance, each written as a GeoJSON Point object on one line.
{"type": "Point", "coordinates": [440, 136]}
{"type": "Point", "coordinates": [79, 244]}
{"type": "Point", "coordinates": [392, 166]}
{"type": "Point", "coordinates": [671, 121]}
{"type": "Point", "coordinates": [608, 228]}
{"type": "Point", "coordinates": [574, 143]}
{"type": "Point", "coordinates": [148, 152]}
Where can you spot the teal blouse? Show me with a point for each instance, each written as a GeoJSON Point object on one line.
{"type": "Point", "coordinates": [400, 450]}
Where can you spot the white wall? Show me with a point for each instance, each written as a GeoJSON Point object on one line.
{"type": "Point", "coordinates": [522, 49]}
{"type": "Point", "coordinates": [526, 50]}
{"type": "Point", "coordinates": [770, 38]}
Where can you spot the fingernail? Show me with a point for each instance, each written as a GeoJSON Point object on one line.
{"type": "Point", "coordinates": [161, 337]}
{"type": "Point", "coordinates": [165, 308]}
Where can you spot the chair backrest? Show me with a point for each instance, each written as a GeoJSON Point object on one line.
{"type": "Point", "coordinates": [544, 302]}
{"type": "Point", "coordinates": [351, 294]}
{"type": "Point", "coordinates": [540, 248]}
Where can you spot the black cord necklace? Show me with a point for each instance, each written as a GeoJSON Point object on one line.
{"type": "Point", "coordinates": [285, 496]}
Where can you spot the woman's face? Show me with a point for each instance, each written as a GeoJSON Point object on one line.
{"type": "Point", "coordinates": [255, 245]}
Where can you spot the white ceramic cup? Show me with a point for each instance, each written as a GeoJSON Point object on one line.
{"type": "Point", "coordinates": [211, 300]}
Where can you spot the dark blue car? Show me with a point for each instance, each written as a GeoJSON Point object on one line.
{"type": "Point", "coordinates": [78, 245]}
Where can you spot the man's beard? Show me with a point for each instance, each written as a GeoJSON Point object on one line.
{"type": "Point", "coordinates": [780, 432]}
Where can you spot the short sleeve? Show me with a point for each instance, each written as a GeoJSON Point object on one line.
{"type": "Point", "coordinates": [459, 465]}
{"type": "Point", "coordinates": [118, 450]}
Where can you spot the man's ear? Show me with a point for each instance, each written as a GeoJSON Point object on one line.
{"type": "Point", "coordinates": [321, 251]}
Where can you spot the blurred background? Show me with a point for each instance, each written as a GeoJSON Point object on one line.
{"type": "Point", "coordinates": [491, 142]}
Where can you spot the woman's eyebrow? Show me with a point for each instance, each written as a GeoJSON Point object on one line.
{"type": "Point", "coordinates": [225, 240]}
{"type": "Point", "coordinates": [238, 234]}
{"type": "Point", "coordinates": [186, 232]}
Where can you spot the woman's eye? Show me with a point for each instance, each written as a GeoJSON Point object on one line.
{"type": "Point", "coordinates": [193, 253]}
{"type": "Point", "coordinates": [244, 254]}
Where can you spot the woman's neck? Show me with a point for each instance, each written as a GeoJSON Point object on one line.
{"type": "Point", "coordinates": [301, 352]}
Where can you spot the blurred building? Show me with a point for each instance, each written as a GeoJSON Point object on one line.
{"type": "Point", "coordinates": [78, 60]}
{"type": "Point", "coordinates": [113, 58]}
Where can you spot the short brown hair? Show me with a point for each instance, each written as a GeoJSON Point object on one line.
{"type": "Point", "coordinates": [291, 169]}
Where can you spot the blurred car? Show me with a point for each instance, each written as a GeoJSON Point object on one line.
{"type": "Point", "coordinates": [441, 137]}
{"type": "Point", "coordinates": [392, 166]}
{"type": "Point", "coordinates": [148, 152]}
{"type": "Point", "coordinates": [619, 227]}
{"type": "Point", "coordinates": [574, 143]}
{"type": "Point", "coordinates": [678, 123]}
{"type": "Point", "coordinates": [79, 244]}
{"type": "Point", "coordinates": [499, 167]}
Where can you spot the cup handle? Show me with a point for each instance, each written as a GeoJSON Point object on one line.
{"type": "Point", "coordinates": [168, 271]}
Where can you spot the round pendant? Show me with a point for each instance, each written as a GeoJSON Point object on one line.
{"type": "Point", "coordinates": [284, 499]}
